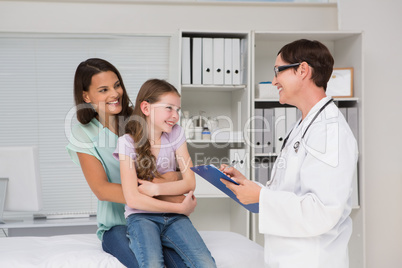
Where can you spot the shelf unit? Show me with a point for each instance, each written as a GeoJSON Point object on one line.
{"type": "Point", "coordinates": [215, 211]}
{"type": "Point", "coordinates": [347, 50]}
{"type": "Point", "coordinates": [230, 105]}
{"type": "Point", "coordinates": [213, 88]}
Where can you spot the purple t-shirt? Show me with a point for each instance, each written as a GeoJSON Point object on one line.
{"type": "Point", "coordinates": [166, 160]}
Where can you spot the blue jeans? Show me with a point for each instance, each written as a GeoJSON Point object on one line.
{"type": "Point", "coordinates": [149, 232]}
{"type": "Point", "coordinates": [116, 243]}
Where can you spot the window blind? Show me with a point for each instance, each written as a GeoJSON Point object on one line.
{"type": "Point", "coordinates": [36, 74]}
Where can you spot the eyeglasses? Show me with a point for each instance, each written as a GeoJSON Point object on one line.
{"type": "Point", "coordinates": [278, 69]}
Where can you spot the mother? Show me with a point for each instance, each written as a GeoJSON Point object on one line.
{"type": "Point", "coordinates": [102, 108]}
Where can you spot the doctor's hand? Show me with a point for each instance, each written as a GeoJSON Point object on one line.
{"type": "Point", "coordinates": [233, 173]}
{"type": "Point", "coordinates": [247, 191]}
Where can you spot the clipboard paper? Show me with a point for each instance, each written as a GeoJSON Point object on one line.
{"type": "Point", "coordinates": [213, 176]}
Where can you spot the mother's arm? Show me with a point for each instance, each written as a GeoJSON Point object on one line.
{"type": "Point", "coordinates": [108, 191]}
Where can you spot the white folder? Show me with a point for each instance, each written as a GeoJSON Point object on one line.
{"type": "Point", "coordinates": [353, 121]}
{"type": "Point", "coordinates": [243, 60]}
{"type": "Point", "coordinates": [268, 135]}
{"type": "Point", "coordinates": [263, 175]}
{"type": "Point", "coordinates": [291, 117]}
{"type": "Point", "coordinates": [197, 61]}
{"type": "Point", "coordinates": [236, 61]}
{"type": "Point", "coordinates": [344, 111]}
{"type": "Point", "coordinates": [207, 61]}
{"type": "Point", "coordinates": [228, 61]}
{"type": "Point", "coordinates": [280, 127]}
{"type": "Point", "coordinates": [258, 130]}
{"type": "Point", "coordinates": [218, 64]}
{"type": "Point", "coordinates": [298, 114]}
{"type": "Point", "coordinates": [351, 116]}
{"type": "Point", "coordinates": [185, 61]}
{"type": "Point", "coordinates": [355, 191]}
{"type": "Point", "coordinates": [239, 155]}
{"type": "Point", "coordinates": [271, 165]}
{"type": "Point", "coordinates": [257, 166]}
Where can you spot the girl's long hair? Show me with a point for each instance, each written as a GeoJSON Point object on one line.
{"type": "Point", "coordinates": [151, 92]}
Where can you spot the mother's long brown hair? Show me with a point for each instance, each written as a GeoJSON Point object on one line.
{"type": "Point", "coordinates": [151, 92]}
{"type": "Point", "coordinates": [82, 80]}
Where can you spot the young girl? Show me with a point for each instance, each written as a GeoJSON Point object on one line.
{"type": "Point", "coordinates": [152, 145]}
{"type": "Point", "coordinates": [102, 105]}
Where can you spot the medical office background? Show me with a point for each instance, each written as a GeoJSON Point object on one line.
{"type": "Point", "coordinates": [380, 22]}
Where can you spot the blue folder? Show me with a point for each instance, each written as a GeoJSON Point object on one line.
{"type": "Point", "coordinates": [213, 176]}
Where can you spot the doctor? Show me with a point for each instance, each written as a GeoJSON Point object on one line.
{"type": "Point", "coordinates": [305, 207]}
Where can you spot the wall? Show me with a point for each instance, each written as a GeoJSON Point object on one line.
{"type": "Point", "coordinates": [382, 111]}
{"type": "Point", "coordinates": [383, 191]}
{"type": "Point", "coordinates": [160, 17]}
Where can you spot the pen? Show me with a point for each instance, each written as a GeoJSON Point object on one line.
{"type": "Point", "coordinates": [234, 162]}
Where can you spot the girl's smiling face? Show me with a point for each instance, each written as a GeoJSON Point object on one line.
{"type": "Point", "coordinates": [105, 94]}
{"type": "Point", "coordinates": [164, 114]}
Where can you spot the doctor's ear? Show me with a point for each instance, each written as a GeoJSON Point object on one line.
{"type": "Point", "coordinates": [304, 69]}
{"type": "Point", "coordinates": [145, 108]}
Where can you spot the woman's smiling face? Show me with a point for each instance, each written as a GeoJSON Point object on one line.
{"type": "Point", "coordinates": [287, 83]}
{"type": "Point", "coordinates": [105, 94]}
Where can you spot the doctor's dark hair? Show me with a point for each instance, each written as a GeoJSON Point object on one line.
{"type": "Point", "coordinates": [82, 81]}
{"type": "Point", "coordinates": [315, 54]}
{"type": "Point", "coordinates": [151, 91]}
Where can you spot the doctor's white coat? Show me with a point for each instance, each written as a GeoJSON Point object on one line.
{"type": "Point", "coordinates": [304, 211]}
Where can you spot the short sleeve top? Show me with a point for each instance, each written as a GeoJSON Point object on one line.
{"type": "Point", "coordinates": [100, 142]}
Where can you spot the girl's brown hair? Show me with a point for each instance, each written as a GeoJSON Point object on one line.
{"type": "Point", "coordinates": [151, 92]}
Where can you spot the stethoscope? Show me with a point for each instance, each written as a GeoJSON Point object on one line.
{"type": "Point", "coordinates": [296, 145]}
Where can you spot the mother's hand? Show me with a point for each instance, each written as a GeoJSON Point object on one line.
{"type": "Point", "coordinates": [147, 188]}
{"type": "Point", "coordinates": [189, 203]}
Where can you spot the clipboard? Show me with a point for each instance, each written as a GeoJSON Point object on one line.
{"type": "Point", "coordinates": [213, 176]}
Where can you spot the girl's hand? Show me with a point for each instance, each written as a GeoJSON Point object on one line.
{"type": "Point", "coordinates": [152, 189]}
{"type": "Point", "coordinates": [189, 203]}
{"type": "Point", "coordinates": [148, 188]}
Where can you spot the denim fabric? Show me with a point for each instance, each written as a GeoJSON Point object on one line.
{"type": "Point", "coordinates": [116, 243]}
{"type": "Point", "coordinates": [149, 232]}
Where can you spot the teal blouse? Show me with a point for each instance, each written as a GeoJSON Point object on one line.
{"type": "Point", "coordinates": [99, 141]}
